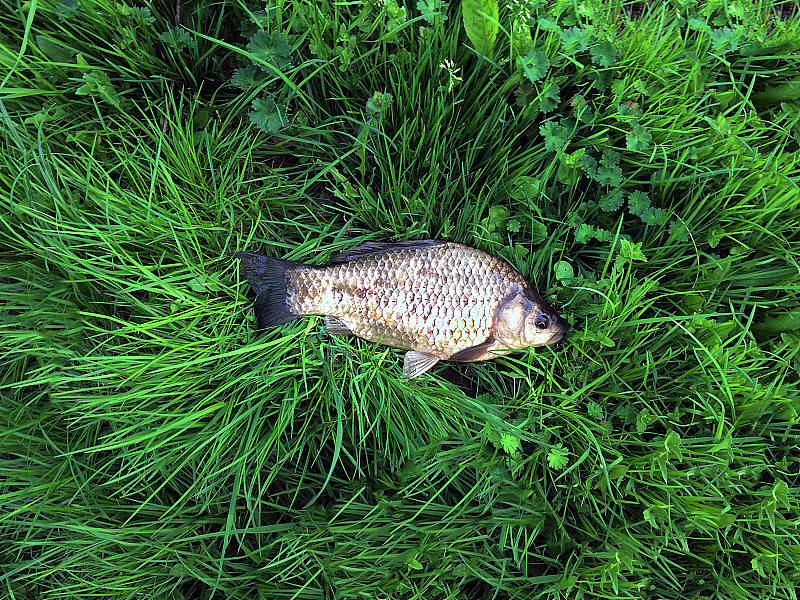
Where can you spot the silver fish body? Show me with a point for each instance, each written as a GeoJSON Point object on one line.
{"type": "Point", "coordinates": [439, 300]}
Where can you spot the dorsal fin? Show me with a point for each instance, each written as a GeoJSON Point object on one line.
{"type": "Point", "coordinates": [368, 248]}
{"type": "Point", "coordinates": [534, 297]}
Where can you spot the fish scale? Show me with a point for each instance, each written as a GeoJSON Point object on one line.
{"type": "Point", "coordinates": [443, 307]}
{"type": "Point", "coordinates": [439, 300]}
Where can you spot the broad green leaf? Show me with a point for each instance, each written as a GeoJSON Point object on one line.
{"type": "Point", "coordinates": [609, 175]}
{"type": "Point", "coordinates": [595, 410]}
{"type": "Point", "coordinates": [491, 434]}
{"type": "Point", "coordinates": [655, 216]}
{"type": "Point", "coordinates": [596, 336]}
{"type": "Point", "coordinates": [547, 23]}
{"type": "Point", "coordinates": [724, 40]}
{"type": "Point", "coordinates": [775, 94]}
{"type": "Point", "coordinates": [603, 54]}
{"type": "Point", "coordinates": [46, 114]}
{"type": "Point", "coordinates": [611, 201]}
{"type": "Point", "coordinates": [555, 135]}
{"type": "Point", "coordinates": [54, 51]}
{"type": "Point", "coordinates": [563, 270]}
{"type": "Point", "coordinates": [589, 165]}
{"type": "Point", "coordinates": [257, 21]}
{"type": "Point", "coordinates": [481, 23]}
{"type": "Point", "coordinates": [177, 37]}
{"type": "Point", "coordinates": [780, 492]}
{"type": "Point", "coordinates": [497, 218]}
{"type": "Point", "coordinates": [521, 40]}
{"type": "Point", "coordinates": [758, 563]}
{"type": "Point", "coordinates": [538, 232]}
{"type": "Point", "coordinates": [548, 99]}
{"type": "Point", "coordinates": [68, 9]}
{"type": "Point", "coordinates": [569, 171]}
{"type": "Point", "coordinates": [248, 77]}
{"type": "Point", "coordinates": [715, 236]}
{"type": "Point", "coordinates": [81, 63]}
{"type": "Point", "coordinates": [575, 39]}
{"type": "Point", "coordinates": [617, 471]}
{"type": "Point", "coordinates": [99, 84]}
{"type": "Point", "coordinates": [643, 420]}
{"type": "Point", "coordinates": [638, 139]}
{"type": "Point", "coordinates": [638, 202]}
{"type": "Point", "coordinates": [142, 15]}
{"type": "Point", "coordinates": [672, 444]}
{"type": "Point", "coordinates": [649, 516]}
{"type": "Point", "coordinates": [525, 187]}
{"type": "Point", "coordinates": [679, 230]}
{"type": "Point", "coordinates": [631, 251]}
{"type": "Point", "coordinates": [697, 24]}
{"type": "Point", "coordinates": [776, 325]}
{"type": "Point", "coordinates": [378, 102]}
{"type": "Point", "coordinates": [610, 158]}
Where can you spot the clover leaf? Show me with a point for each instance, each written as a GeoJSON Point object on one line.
{"type": "Point", "coordinates": [557, 458]}
{"type": "Point", "coordinates": [575, 39]}
{"type": "Point", "coordinates": [611, 201]}
{"type": "Point", "coordinates": [534, 65]}
{"type": "Point", "coordinates": [584, 233]}
{"type": "Point", "coordinates": [638, 202]}
{"type": "Point", "coordinates": [271, 48]}
{"type": "Point", "coordinates": [267, 116]}
{"type": "Point", "coordinates": [603, 54]}
{"type": "Point", "coordinates": [555, 135]}
{"type": "Point", "coordinates": [638, 139]}
{"type": "Point", "coordinates": [548, 99]}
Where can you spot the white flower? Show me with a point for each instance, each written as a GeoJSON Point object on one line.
{"type": "Point", "coordinates": [452, 75]}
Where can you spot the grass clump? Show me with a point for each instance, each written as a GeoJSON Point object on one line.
{"type": "Point", "coordinates": [638, 162]}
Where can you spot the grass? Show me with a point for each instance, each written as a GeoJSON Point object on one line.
{"type": "Point", "coordinates": [154, 445]}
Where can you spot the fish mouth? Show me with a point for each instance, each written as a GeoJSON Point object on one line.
{"type": "Point", "coordinates": [556, 337]}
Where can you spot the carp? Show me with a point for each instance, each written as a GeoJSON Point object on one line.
{"type": "Point", "coordinates": [439, 300]}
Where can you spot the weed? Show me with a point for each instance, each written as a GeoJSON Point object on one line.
{"type": "Point", "coordinates": [637, 161]}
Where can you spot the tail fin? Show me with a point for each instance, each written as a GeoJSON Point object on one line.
{"type": "Point", "coordinates": [267, 275]}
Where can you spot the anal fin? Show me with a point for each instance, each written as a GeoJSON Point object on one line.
{"type": "Point", "coordinates": [336, 327]}
{"type": "Point", "coordinates": [416, 363]}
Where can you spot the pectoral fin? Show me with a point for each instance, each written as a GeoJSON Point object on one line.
{"type": "Point", "coordinates": [475, 352]}
{"type": "Point", "coordinates": [416, 363]}
{"type": "Point", "coordinates": [335, 327]}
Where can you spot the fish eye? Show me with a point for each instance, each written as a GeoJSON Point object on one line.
{"type": "Point", "coordinates": [542, 322]}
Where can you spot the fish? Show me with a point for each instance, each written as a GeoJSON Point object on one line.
{"type": "Point", "coordinates": [438, 300]}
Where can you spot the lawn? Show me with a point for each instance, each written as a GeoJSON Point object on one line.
{"type": "Point", "coordinates": [638, 162]}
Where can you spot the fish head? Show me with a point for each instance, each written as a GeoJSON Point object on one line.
{"type": "Point", "coordinates": [525, 319]}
